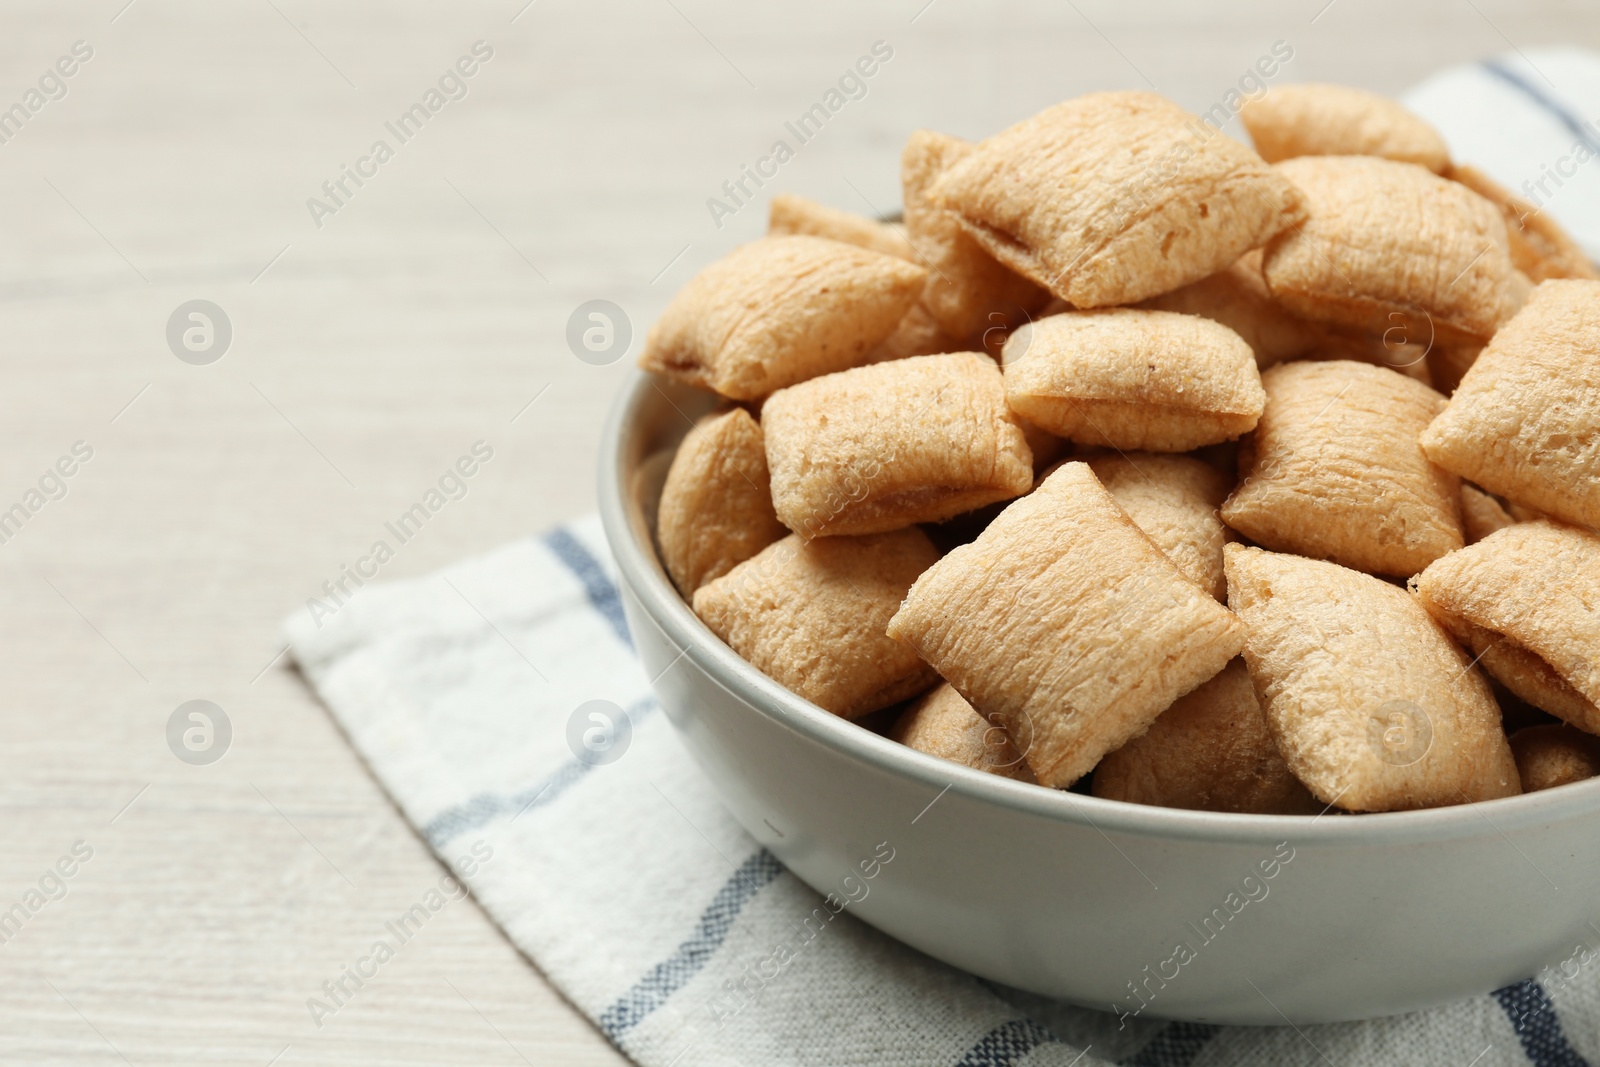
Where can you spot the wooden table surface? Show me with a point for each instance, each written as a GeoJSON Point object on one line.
{"type": "Point", "coordinates": [372, 343]}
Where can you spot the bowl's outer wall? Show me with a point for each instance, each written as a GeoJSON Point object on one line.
{"type": "Point", "coordinates": [1078, 905]}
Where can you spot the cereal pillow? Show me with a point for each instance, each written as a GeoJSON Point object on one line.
{"type": "Point", "coordinates": [716, 506]}
{"type": "Point", "coordinates": [790, 214]}
{"type": "Point", "coordinates": [1552, 755]}
{"type": "Point", "coordinates": [1336, 120]}
{"type": "Point", "coordinates": [1525, 600]}
{"type": "Point", "coordinates": [1525, 421]}
{"type": "Point", "coordinates": [1393, 246]}
{"type": "Point", "coordinates": [778, 311]}
{"type": "Point", "coordinates": [1211, 751]}
{"type": "Point", "coordinates": [1065, 621]}
{"type": "Point", "coordinates": [881, 447]}
{"type": "Point", "coordinates": [1128, 378]}
{"type": "Point", "coordinates": [1110, 198]}
{"type": "Point", "coordinates": [941, 724]}
{"type": "Point", "coordinates": [810, 615]}
{"type": "Point", "coordinates": [968, 291]}
{"type": "Point", "coordinates": [1334, 470]}
{"type": "Point", "coordinates": [1174, 500]}
{"type": "Point", "coordinates": [1374, 708]}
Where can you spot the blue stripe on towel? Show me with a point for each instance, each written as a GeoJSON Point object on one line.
{"type": "Point", "coordinates": [1007, 1044]}
{"type": "Point", "coordinates": [1533, 1016]}
{"type": "Point", "coordinates": [599, 589]}
{"type": "Point", "coordinates": [1176, 1045]}
{"type": "Point", "coordinates": [1557, 110]}
{"type": "Point", "coordinates": [486, 807]}
{"type": "Point", "coordinates": [675, 972]}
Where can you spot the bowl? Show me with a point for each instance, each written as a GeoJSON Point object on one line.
{"type": "Point", "coordinates": [1137, 910]}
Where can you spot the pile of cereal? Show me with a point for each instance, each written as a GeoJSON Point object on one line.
{"type": "Point", "coordinates": [1140, 463]}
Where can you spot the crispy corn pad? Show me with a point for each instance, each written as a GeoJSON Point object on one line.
{"type": "Point", "coordinates": [716, 505]}
{"type": "Point", "coordinates": [778, 311]}
{"type": "Point", "coordinates": [1526, 601]}
{"type": "Point", "coordinates": [1336, 120]}
{"type": "Point", "coordinates": [1481, 514]}
{"type": "Point", "coordinates": [1237, 296]}
{"type": "Point", "coordinates": [1552, 755]}
{"type": "Point", "coordinates": [1174, 500]}
{"type": "Point", "coordinates": [1525, 421]}
{"type": "Point", "coordinates": [1540, 248]}
{"type": "Point", "coordinates": [1211, 751]}
{"type": "Point", "coordinates": [918, 334]}
{"type": "Point", "coordinates": [1373, 706]}
{"type": "Point", "coordinates": [810, 616]}
{"type": "Point", "coordinates": [1068, 623]}
{"type": "Point", "coordinates": [1391, 245]}
{"type": "Point", "coordinates": [1129, 378]}
{"type": "Point", "coordinates": [790, 214]}
{"type": "Point", "coordinates": [968, 291]}
{"type": "Point", "coordinates": [941, 724]}
{"type": "Point", "coordinates": [881, 447]}
{"type": "Point", "coordinates": [1111, 198]}
{"type": "Point", "coordinates": [1334, 471]}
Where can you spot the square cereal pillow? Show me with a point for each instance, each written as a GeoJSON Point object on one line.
{"type": "Point", "coordinates": [881, 447]}
{"type": "Point", "coordinates": [1525, 421]}
{"type": "Point", "coordinates": [1065, 621]}
{"type": "Point", "coordinates": [1391, 246]}
{"type": "Point", "coordinates": [1372, 705]}
{"type": "Point", "coordinates": [716, 505]}
{"type": "Point", "coordinates": [1111, 198]}
{"type": "Point", "coordinates": [1128, 378]}
{"type": "Point", "coordinates": [810, 615]}
{"type": "Point", "coordinates": [1334, 470]}
{"type": "Point", "coordinates": [1526, 601]}
{"type": "Point", "coordinates": [778, 311]}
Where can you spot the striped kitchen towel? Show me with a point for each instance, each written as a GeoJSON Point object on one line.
{"type": "Point", "coordinates": [641, 898]}
{"type": "Point", "coordinates": [472, 695]}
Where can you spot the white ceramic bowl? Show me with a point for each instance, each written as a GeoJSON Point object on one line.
{"type": "Point", "coordinates": [1085, 899]}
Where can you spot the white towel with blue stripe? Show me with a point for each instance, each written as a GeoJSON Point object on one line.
{"type": "Point", "coordinates": [650, 909]}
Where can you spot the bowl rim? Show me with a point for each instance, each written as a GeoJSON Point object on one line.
{"type": "Point", "coordinates": [644, 577]}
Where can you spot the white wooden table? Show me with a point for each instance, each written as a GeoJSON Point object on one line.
{"type": "Point", "coordinates": [366, 355]}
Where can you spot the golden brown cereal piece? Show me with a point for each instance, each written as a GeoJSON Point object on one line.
{"type": "Point", "coordinates": [1110, 198]}
{"type": "Point", "coordinates": [1448, 364]}
{"type": "Point", "coordinates": [1523, 513]}
{"type": "Point", "coordinates": [1128, 378]}
{"type": "Point", "coordinates": [1390, 244]}
{"type": "Point", "coordinates": [1065, 621]}
{"type": "Point", "coordinates": [1481, 514]}
{"type": "Point", "coordinates": [881, 447]}
{"type": "Point", "coordinates": [1174, 500]}
{"type": "Point", "coordinates": [1388, 350]}
{"type": "Point", "coordinates": [716, 506]}
{"type": "Point", "coordinates": [1526, 599]}
{"type": "Point", "coordinates": [778, 311]}
{"type": "Point", "coordinates": [1210, 751]}
{"type": "Point", "coordinates": [968, 292]}
{"type": "Point", "coordinates": [1336, 120]}
{"type": "Point", "coordinates": [1238, 297]}
{"type": "Point", "coordinates": [941, 724]}
{"type": "Point", "coordinates": [1372, 705]}
{"type": "Point", "coordinates": [1334, 471]}
{"type": "Point", "coordinates": [810, 616]}
{"type": "Point", "coordinates": [1525, 421]}
{"type": "Point", "coordinates": [1540, 248]}
{"type": "Point", "coordinates": [790, 214]}
{"type": "Point", "coordinates": [1548, 756]}
{"type": "Point", "coordinates": [919, 334]}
